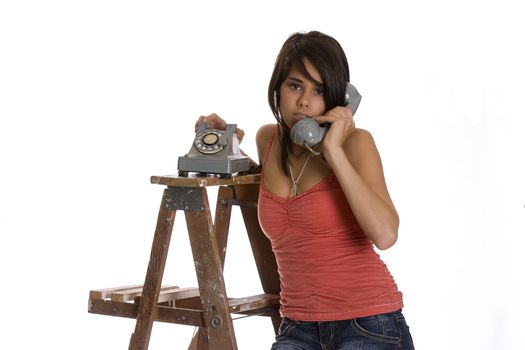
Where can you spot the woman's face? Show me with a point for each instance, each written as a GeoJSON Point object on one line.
{"type": "Point", "coordinates": [300, 96]}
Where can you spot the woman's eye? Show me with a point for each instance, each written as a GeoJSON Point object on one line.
{"type": "Point", "coordinates": [294, 86]}
{"type": "Point", "coordinates": [319, 91]}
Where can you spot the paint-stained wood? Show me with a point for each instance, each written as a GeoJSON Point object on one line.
{"type": "Point", "coordinates": [183, 315]}
{"type": "Point", "coordinates": [221, 227]}
{"type": "Point", "coordinates": [240, 305]}
{"type": "Point", "coordinates": [147, 311]}
{"type": "Point", "coordinates": [208, 267]}
{"type": "Point", "coordinates": [195, 181]}
{"type": "Point", "coordinates": [162, 313]}
{"type": "Point", "coordinates": [207, 307]}
{"type": "Point", "coordinates": [106, 292]}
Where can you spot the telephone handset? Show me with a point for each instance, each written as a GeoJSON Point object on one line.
{"type": "Point", "coordinates": [308, 133]}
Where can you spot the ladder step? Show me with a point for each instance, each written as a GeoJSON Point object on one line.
{"type": "Point", "coordinates": [239, 305]}
{"type": "Point", "coordinates": [106, 292]}
{"type": "Point", "coordinates": [125, 293]}
{"type": "Point", "coordinates": [174, 293]}
{"type": "Point", "coordinates": [178, 294]}
{"type": "Point", "coordinates": [131, 294]}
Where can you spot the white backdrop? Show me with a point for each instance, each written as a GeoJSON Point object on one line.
{"type": "Point", "coordinates": [96, 96]}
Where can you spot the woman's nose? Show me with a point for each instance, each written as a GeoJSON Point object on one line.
{"type": "Point", "coordinates": [303, 101]}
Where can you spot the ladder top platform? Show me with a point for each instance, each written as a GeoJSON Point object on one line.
{"type": "Point", "coordinates": [197, 181]}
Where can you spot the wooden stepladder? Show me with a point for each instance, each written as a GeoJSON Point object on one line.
{"type": "Point", "coordinates": [207, 306]}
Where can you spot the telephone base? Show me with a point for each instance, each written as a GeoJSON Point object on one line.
{"type": "Point", "coordinates": [209, 166]}
{"type": "Point", "coordinates": [220, 176]}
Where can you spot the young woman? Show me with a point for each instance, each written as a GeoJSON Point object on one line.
{"type": "Point", "coordinates": [324, 214]}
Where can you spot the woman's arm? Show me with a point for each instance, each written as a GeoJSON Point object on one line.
{"type": "Point", "coordinates": [353, 156]}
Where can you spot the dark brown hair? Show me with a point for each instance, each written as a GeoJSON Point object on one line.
{"type": "Point", "coordinates": [328, 57]}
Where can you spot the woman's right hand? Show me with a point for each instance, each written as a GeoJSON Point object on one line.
{"type": "Point", "coordinates": [213, 121]}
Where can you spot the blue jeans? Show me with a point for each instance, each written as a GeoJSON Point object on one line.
{"type": "Point", "coordinates": [378, 332]}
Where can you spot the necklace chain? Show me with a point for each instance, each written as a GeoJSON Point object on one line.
{"type": "Point", "coordinates": [294, 191]}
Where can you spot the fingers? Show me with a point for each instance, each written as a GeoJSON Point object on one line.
{"type": "Point", "coordinates": [240, 134]}
{"type": "Point", "coordinates": [335, 114]}
{"type": "Point", "coordinates": [213, 121]}
{"type": "Point", "coordinates": [340, 112]}
{"type": "Point", "coordinates": [200, 120]}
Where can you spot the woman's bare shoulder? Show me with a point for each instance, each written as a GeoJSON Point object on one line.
{"type": "Point", "coordinates": [359, 138]}
{"type": "Point", "coordinates": [360, 147]}
{"type": "Point", "coordinates": [265, 131]}
{"type": "Point", "coordinates": [262, 138]}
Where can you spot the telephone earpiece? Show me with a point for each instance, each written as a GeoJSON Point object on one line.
{"type": "Point", "coordinates": [352, 98]}
{"type": "Point", "coordinates": [308, 133]}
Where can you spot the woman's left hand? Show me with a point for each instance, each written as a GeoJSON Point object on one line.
{"type": "Point", "coordinates": [342, 125]}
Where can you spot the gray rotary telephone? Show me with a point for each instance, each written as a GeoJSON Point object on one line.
{"type": "Point", "coordinates": [214, 152]}
{"type": "Point", "coordinates": [308, 133]}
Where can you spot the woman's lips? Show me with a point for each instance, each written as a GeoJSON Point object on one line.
{"type": "Point", "coordinates": [299, 116]}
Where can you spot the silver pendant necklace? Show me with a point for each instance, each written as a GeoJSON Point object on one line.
{"type": "Point", "coordinates": [294, 191]}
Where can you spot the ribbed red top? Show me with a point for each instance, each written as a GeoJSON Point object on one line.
{"type": "Point", "coordinates": [328, 269]}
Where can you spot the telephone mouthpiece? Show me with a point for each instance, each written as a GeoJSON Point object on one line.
{"type": "Point", "coordinates": [307, 133]}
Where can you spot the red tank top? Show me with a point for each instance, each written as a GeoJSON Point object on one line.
{"type": "Point", "coordinates": [328, 269]}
